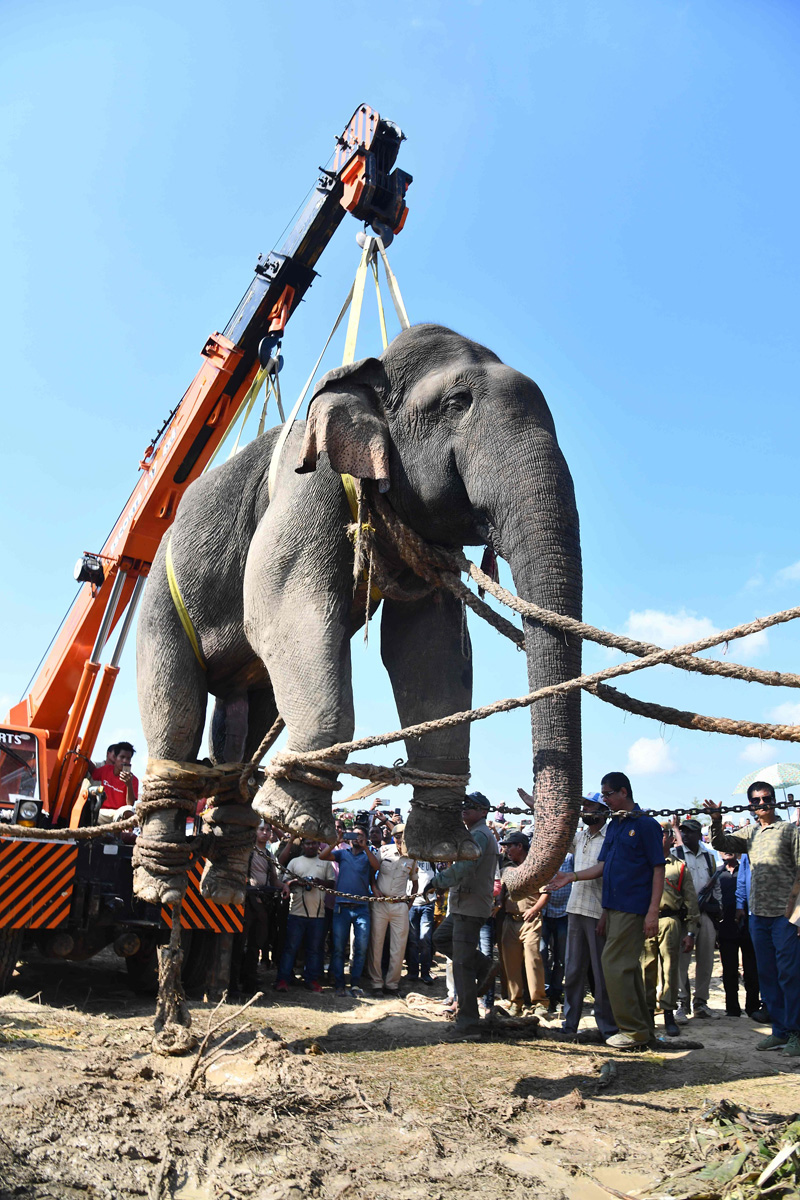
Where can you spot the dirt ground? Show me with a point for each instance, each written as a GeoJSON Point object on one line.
{"type": "Point", "coordinates": [319, 1097]}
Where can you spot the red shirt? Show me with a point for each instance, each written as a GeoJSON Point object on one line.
{"type": "Point", "coordinates": [116, 789]}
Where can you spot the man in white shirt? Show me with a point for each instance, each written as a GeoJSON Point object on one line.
{"type": "Point", "coordinates": [584, 910]}
{"type": "Point", "coordinates": [305, 923]}
{"type": "Point", "coordinates": [396, 872]}
{"type": "Point", "coordinates": [702, 866]}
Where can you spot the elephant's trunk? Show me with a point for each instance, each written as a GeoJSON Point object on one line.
{"type": "Point", "coordinates": [539, 538]}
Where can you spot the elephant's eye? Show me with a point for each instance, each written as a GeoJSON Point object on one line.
{"type": "Point", "coordinates": [457, 402]}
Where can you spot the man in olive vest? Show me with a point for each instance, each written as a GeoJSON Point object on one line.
{"type": "Point", "coordinates": [471, 887]}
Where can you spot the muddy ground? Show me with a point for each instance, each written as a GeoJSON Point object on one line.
{"type": "Point", "coordinates": [319, 1097]}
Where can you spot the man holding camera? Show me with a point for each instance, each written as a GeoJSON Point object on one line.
{"type": "Point", "coordinates": [120, 784]}
{"type": "Point", "coordinates": [357, 867]}
{"type": "Point", "coordinates": [305, 924]}
{"type": "Point", "coordinates": [396, 871]}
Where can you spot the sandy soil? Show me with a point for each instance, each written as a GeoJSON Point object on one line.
{"type": "Point", "coordinates": [318, 1097]}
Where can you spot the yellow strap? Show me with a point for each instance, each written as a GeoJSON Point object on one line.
{"type": "Point", "coordinates": [177, 600]}
{"type": "Point", "coordinates": [355, 308]}
{"type": "Point", "coordinates": [394, 289]}
{"type": "Point", "coordinates": [381, 315]}
{"type": "Point", "coordinates": [350, 492]}
{"type": "Point", "coordinates": [249, 399]}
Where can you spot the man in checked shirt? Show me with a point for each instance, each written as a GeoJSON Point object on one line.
{"type": "Point", "coordinates": [773, 847]}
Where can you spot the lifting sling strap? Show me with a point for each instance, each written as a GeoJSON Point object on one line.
{"type": "Point", "coordinates": [355, 298]}
{"type": "Point", "coordinates": [177, 600]}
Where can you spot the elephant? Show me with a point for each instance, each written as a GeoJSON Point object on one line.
{"type": "Point", "coordinates": [465, 450]}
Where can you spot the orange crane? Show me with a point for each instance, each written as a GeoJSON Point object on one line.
{"type": "Point", "coordinates": [49, 737]}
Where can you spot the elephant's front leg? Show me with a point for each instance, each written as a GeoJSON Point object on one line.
{"type": "Point", "coordinates": [298, 596]}
{"type": "Point", "coordinates": [425, 648]}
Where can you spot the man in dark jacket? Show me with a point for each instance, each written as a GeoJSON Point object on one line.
{"type": "Point", "coordinates": [733, 939]}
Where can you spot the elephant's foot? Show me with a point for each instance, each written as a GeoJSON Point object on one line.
{"type": "Point", "coordinates": [232, 829]}
{"type": "Point", "coordinates": [161, 858]}
{"type": "Point", "coordinates": [158, 889]}
{"type": "Point", "coordinates": [226, 882]}
{"type": "Point", "coordinates": [436, 834]}
{"type": "Point", "coordinates": [302, 810]}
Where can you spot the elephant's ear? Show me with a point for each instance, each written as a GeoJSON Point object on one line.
{"type": "Point", "coordinates": [345, 419]}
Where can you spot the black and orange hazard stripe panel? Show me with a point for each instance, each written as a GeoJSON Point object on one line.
{"type": "Point", "coordinates": [199, 913]}
{"type": "Point", "coordinates": [36, 881]}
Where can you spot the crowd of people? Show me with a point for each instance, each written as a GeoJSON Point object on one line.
{"type": "Point", "coordinates": [631, 923]}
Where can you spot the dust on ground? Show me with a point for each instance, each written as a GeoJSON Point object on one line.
{"type": "Point", "coordinates": [323, 1097]}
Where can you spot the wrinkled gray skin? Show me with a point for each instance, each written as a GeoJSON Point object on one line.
{"type": "Point", "coordinates": [470, 450]}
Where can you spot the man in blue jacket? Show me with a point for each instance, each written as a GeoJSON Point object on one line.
{"type": "Point", "coordinates": [631, 864]}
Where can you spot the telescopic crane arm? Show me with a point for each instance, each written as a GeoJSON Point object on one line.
{"type": "Point", "coordinates": [362, 181]}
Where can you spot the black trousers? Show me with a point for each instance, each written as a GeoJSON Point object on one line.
{"type": "Point", "coordinates": [734, 941]}
{"type": "Point", "coordinates": [457, 938]}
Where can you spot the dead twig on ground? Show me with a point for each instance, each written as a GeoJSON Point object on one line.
{"type": "Point", "coordinates": [212, 1029]}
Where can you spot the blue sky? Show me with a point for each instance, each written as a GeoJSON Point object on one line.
{"type": "Point", "coordinates": [604, 193]}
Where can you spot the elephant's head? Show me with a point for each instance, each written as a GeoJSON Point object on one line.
{"type": "Point", "coordinates": [467, 449]}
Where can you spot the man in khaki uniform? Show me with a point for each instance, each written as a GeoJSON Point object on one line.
{"type": "Point", "coordinates": [678, 918]}
{"type": "Point", "coordinates": [395, 873]}
{"type": "Point", "coordinates": [519, 937]}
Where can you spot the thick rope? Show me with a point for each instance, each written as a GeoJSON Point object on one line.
{"type": "Point", "coordinates": [86, 833]}
{"type": "Point", "coordinates": [443, 567]}
{"type": "Point", "coordinates": [789, 733]}
{"type": "Point", "coordinates": [284, 766]}
{"type": "Point", "coordinates": [173, 1021]}
{"type": "Point", "coordinates": [629, 645]}
{"type": "Point", "coordinates": [691, 720]}
{"type": "Point", "coordinates": [247, 779]}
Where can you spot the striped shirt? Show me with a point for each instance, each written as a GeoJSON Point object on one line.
{"type": "Point", "coordinates": [774, 853]}
{"type": "Point", "coordinates": [586, 898]}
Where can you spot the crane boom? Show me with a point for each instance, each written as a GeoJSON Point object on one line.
{"type": "Point", "coordinates": [362, 182]}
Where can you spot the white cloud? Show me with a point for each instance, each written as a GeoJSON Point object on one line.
{"type": "Point", "coordinates": [786, 714]}
{"type": "Point", "coordinates": [747, 648]}
{"type": "Point", "coordinates": [755, 581]}
{"type": "Point", "coordinates": [649, 756]}
{"type": "Point", "coordinates": [758, 753]}
{"type": "Point", "coordinates": [677, 629]}
{"type": "Point", "coordinates": [788, 574]}
{"type": "Point", "coordinates": [668, 629]}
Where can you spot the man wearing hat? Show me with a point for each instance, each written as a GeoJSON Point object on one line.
{"type": "Point", "coordinates": [395, 873]}
{"type": "Point", "coordinates": [584, 910]}
{"type": "Point", "coordinates": [471, 887]}
{"type": "Point", "coordinates": [702, 866]}
{"type": "Point", "coordinates": [519, 935]}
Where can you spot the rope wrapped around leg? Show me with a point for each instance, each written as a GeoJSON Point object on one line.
{"type": "Point", "coordinates": [173, 1020]}
{"type": "Point", "coordinates": [162, 857]}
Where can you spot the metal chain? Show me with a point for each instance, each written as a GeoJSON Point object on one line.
{"type": "Point", "coordinates": [307, 881]}
{"type": "Point", "coordinates": [660, 812]}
